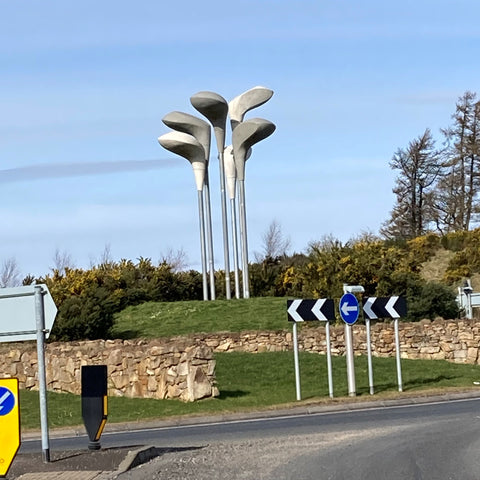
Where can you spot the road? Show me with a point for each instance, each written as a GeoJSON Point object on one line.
{"type": "Point", "coordinates": [426, 441]}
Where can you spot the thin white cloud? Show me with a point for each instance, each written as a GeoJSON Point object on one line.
{"type": "Point", "coordinates": [63, 170]}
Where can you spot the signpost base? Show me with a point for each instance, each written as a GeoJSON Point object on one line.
{"type": "Point", "coordinates": [46, 456]}
{"type": "Point", "coordinates": [95, 445]}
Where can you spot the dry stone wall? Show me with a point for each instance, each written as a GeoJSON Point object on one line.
{"type": "Point", "coordinates": [452, 340]}
{"type": "Point", "coordinates": [184, 367]}
{"type": "Point", "coordinates": [148, 369]}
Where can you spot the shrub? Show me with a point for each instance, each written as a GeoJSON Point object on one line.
{"type": "Point", "coordinates": [434, 300]}
{"type": "Point", "coordinates": [85, 317]}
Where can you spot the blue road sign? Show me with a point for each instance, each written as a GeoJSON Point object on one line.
{"type": "Point", "coordinates": [349, 308]}
{"type": "Point", "coordinates": [7, 401]}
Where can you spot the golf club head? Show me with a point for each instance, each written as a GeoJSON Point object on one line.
{"type": "Point", "coordinates": [246, 135]}
{"type": "Point", "coordinates": [187, 146]}
{"type": "Point", "coordinates": [215, 108]}
{"type": "Point", "coordinates": [186, 123]}
{"type": "Point", "coordinates": [240, 105]}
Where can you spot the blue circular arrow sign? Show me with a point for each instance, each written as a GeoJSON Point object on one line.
{"type": "Point", "coordinates": [349, 309]}
{"type": "Point", "coordinates": [7, 401]}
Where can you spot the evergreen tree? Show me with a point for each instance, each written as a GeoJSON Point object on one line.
{"type": "Point", "coordinates": [418, 166]}
{"type": "Point", "coordinates": [457, 202]}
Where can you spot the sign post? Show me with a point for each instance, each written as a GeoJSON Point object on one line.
{"type": "Point", "coordinates": [311, 310]}
{"type": "Point", "coordinates": [9, 423]}
{"type": "Point", "coordinates": [42, 377]}
{"type": "Point", "coordinates": [32, 311]}
{"type": "Point", "coordinates": [388, 307]}
{"type": "Point", "coordinates": [349, 311]}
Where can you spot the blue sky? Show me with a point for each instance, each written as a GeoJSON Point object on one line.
{"type": "Point", "coordinates": [84, 86]}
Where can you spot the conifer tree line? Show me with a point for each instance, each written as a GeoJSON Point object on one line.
{"type": "Point", "coordinates": [437, 184]}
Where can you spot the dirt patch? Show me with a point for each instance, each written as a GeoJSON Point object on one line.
{"type": "Point", "coordinates": [107, 459]}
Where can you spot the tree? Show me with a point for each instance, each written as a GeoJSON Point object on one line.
{"type": "Point", "coordinates": [419, 167]}
{"type": "Point", "coordinates": [457, 201]}
{"type": "Point", "coordinates": [178, 260]}
{"type": "Point", "coordinates": [62, 261]}
{"type": "Point", "coordinates": [274, 245]}
{"type": "Point", "coordinates": [10, 273]}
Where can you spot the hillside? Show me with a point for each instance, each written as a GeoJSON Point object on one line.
{"type": "Point", "coordinates": [167, 319]}
{"type": "Point", "coordinates": [426, 270]}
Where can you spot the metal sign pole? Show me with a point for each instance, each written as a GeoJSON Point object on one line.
{"type": "Point", "coordinates": [42, 378]}
{"type": "Point", "coordinates": [369, 357]}
{"type": "Point", "coordinates": [329, 360]}
{"type": "Point", "coordinates": [349, 311]}
{"type": "Point", "coordinates": [297, 365]}
{"type": "Point", "coordinates": [397, 351]}
{"type": "Point", "coordinates": [350, 361]}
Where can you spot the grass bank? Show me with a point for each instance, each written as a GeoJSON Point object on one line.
{"type": "Point", "coordinates": [167, 319]}
{"type": "Point", "coordinates": [259, 381]}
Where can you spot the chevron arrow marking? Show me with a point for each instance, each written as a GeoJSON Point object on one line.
{"type": "Point", "coordinates": [390, 307]}
{"type": "Point", "coordinates": [292, 311]}
{"type": "Point", "coordinates": [317, 309]}
{"type": "Point", "coordinates": [367, 307]}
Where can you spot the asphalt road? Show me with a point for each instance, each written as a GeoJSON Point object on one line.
{"type": "Point", "coordinates": [438, 440]}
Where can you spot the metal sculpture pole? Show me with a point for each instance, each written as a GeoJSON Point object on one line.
{"type": "Point", "coordinates": [245, 135]}
{"type": "Point", "coordinates": [215, 108]}
{"type": "Point", "coordinates": [198, 128]}
{"type": "Point", "coordinates": [231, 178]}
{"type": "Point", "coordinates": [237, 108]}
{"type": "Point", "coordinates": [188, 147]}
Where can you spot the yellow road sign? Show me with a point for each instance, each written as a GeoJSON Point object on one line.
{"type": "Point", "coordinates": [9, 423]}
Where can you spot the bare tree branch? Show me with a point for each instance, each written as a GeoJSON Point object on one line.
{"type": "Point", "coordinates": [10, 273]}
{"type": "Point", "coordinates": [178, 259]}
{"type": "Point", "coordinates": [61, 261]}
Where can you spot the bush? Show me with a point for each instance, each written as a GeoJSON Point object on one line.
{"type": "Point", "coordinates": [85, 317]}
{"type": "Point", "coordinates": [434, 300]}
{"type": "Point", "coordinates": [88, 299]}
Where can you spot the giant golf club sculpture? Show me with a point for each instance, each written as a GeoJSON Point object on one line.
{"type": "Point", "coordinates": [188, 147]}
{"type": "Point", "coordinates": [198, 128]}
{"type": "Point", "coordinates": [215, 108]}
{"type": "Point", "coordinates": [245, 135]}
{"type": "Point", "coordinates": [246, 101]}
{"type": "Point", "coordinates": [237, 108]}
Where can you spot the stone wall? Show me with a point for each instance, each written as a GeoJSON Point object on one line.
{"type": "Point", "coordinates": [452, 340]}
{"type": "Point", "coordinates": [149, 369]}
{"type": "Point", "coordinates": [184, 367]}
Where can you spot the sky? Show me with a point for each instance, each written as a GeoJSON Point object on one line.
{"type": "Point", "coordinates": [84, 87]}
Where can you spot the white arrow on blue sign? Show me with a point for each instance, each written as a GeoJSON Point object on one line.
{"type": "Point", "coordinates": [7, 401]}
{"type": "Point", "coordinates": [349, 308]}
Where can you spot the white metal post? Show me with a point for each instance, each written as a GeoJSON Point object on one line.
{"type": "Point", "coordinates": [350, 361]}
{"type": "Point", "coordinates": [369, 357]}
{"type": "Point", "coordinates": [329, 360]}
{"type": "Point", "coordinates": [297, 364]}
{"type": "Point", "coordinates": [397, 352]}
{"type": "Point", "coordinates": [42, 378]}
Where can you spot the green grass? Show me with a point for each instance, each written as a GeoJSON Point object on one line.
{"type": "Point", "coordinates": [266, 380]}
{"type": "Point", "coordinates": [167, 319]}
